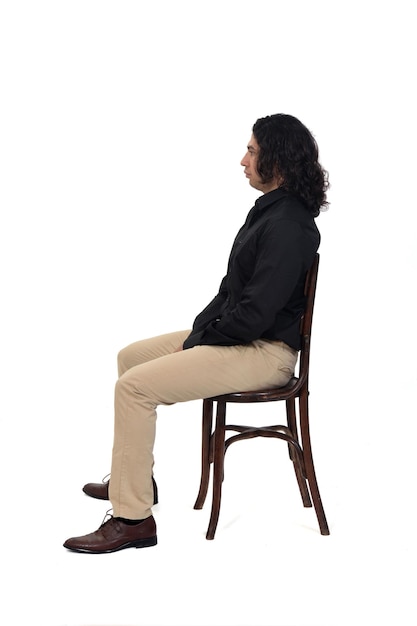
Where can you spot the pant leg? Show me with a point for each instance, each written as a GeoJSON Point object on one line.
{"type": "Point", "coordinates": [200, 372]}
{"type": "Point", "coordinates": [149, 349]}
{"type": "Point", "coordinates": [135, 354]}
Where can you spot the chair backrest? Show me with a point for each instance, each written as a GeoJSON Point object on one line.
{"type": "Point", "coordinates": [307, 318]}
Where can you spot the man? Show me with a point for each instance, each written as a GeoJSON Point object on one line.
{"type": "Point", "coordinates": [247, 337]}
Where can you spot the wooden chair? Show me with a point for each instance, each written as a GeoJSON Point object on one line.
{"type": "Point", "coordinates": [215, 442]}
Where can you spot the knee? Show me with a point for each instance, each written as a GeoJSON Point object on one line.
{"type": "Point", "coordinates": [123, 361]}
{"type": "Point", "coordinates": [131, 387]}
{"type": "Point", "coordinates": [126, 385]}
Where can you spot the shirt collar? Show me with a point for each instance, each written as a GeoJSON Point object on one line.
{"type": "Point", "coordinates": [270, 198]}
{"type": "Point", "coordinates": [264, 202]}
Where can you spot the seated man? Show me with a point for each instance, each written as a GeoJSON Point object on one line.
{"type": "Point", "coordinates": [246, 338]}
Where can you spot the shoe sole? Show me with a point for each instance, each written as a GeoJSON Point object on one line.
{"type": "Point", "coordinates": [140, 543]}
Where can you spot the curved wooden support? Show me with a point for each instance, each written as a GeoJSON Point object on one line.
{"type": "Point", "coordinates": [250, 433]}
{"type": "Point", "coordinates": [296, 452]}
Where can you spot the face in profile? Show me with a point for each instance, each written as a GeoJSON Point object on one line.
{"type": "Point", "coordinates": [249, 162]}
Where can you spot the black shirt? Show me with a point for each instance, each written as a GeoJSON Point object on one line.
{"type": "Point", "coordinates": [262, 294]}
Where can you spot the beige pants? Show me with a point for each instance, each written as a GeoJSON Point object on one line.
{"type": "Point", "coordinates": [150, 374]}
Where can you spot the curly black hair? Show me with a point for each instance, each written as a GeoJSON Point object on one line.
{"type": "Point", "coordinates": [287, 149]}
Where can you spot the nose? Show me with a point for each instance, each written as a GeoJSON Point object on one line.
{"type": "Point", "coordinates": [244, 161]}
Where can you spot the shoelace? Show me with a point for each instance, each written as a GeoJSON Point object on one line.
{"type": "Point", "coordinates": [107, 518]}
{"type": "Point", "coordinates": [109, 526]}
{"type": "Point", "coordinates": [105, 479]}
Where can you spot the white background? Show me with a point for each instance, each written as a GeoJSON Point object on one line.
{"type": "Point", "coordinates": [122, 128]}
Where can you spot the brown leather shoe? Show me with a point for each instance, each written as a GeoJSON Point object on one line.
{"type": "Point", "coordinates": [101, 490]}
{"type": "Point", "coordinates": [114, 535]}
{"type": "Point", "coordinates": [97, 490]}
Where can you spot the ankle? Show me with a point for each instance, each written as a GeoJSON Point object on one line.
{"type": "Point", "coordinates": [129, 522]}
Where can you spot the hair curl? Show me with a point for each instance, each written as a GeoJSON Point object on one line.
{"type": "Point", "coordinates": [287, 149]}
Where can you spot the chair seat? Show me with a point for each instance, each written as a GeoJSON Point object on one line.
{"type": "Point", "coordinates": [263, 395]}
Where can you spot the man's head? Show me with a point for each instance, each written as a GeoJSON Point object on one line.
{"type": "Point", "coordinates": [283, 153]}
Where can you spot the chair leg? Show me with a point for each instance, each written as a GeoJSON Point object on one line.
{"type": "Point", "coordinates": [309, 465]}
{"type": "Point", "coordinates": [292, 425]}
{"type": "Point", "coordinates": [206, 439]}
{"type": "Point", "coordinates": [218, 467]}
